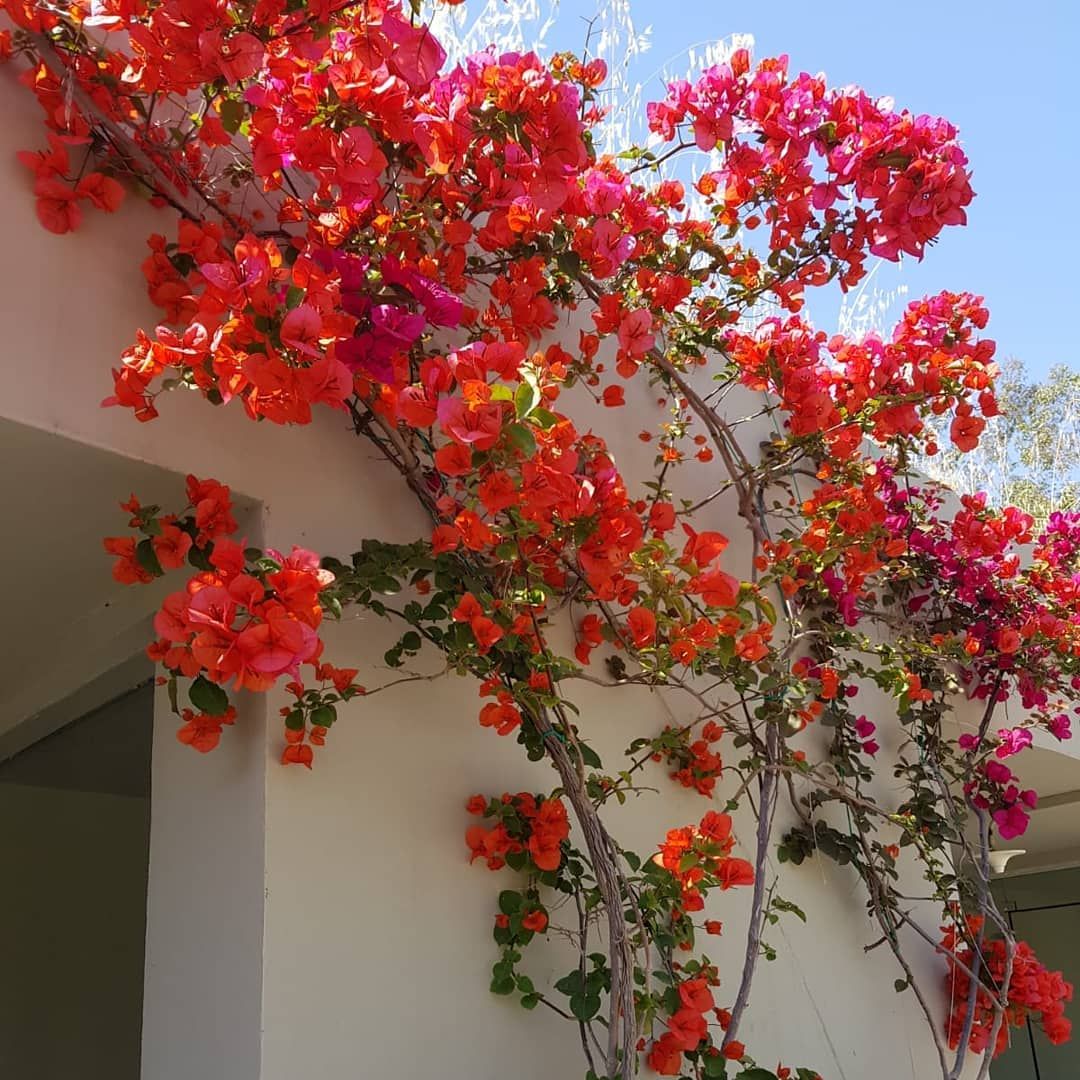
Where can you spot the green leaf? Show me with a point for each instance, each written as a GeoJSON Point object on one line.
{"type": "Point", "coordinates": [590, 756]}
{"type": "Point", "coordinates": [144, 555]}
{"type": "Point", "coordinates": [767, 607]}
{"type": "Point", "coordinates": [584, 1006]}
{"type": "Point", "coordinates": [522, 438]}
{"type": "Point", "coordinates": [232, 115]}
{"type": "Point", "coordinates": [323, 716]}
{"type": "Point", "coordinates": [527, 397]}
{"type": "Point", "coordinates": [715, 1065]}
{"type": "Point", "coordinates": [543, 418]}
{"type": "Point", "coordinates": [895, 160]}
{"type": "Point", "coordinates": [208, 697]}
{"type": "Point", "coordinates": [900, 985]}
{"type": "Point", "coordinates": [725, 649]}
{"type": "Point", "coordinates": [569, 262]}
{"type": "Point", "coordinates": [756, 1074]}
{"type": "Point", "coordinates": [780, 904]}
{"type": "Point", "coordinates": [509, 901]}
{"type": "Point", "coordinates": [293, 297]}
{"type": "Point", "coordinates": [503, 984]}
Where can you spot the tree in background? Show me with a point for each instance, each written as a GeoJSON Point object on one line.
{"type": "Point", "coordinates": [1029, 456]}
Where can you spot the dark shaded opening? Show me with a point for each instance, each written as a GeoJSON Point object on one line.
{"type": "Point", "coordinates": [74, 845]}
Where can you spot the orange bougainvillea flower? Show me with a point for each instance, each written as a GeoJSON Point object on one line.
{"type": "Point", "coordinates": [201, 732]}
{"type": "Point", "coordinates": [696, 995]}
{"type": "Point", "coordinates": [297, 754]}
{"type": "Point", "coordinates": [171, 547]}
{"type": "Point", "coordinates": [535, 920]}
{"type": "Point", "coordinates": [642, 623]}
{"type": "Point", "coordinates": [665, 1056]}
{"type": "Point", "coordinates": [503, 716]}
{"type": "Point", "coordinates": [732, 872]}
{"type": "Point", "coordinates": [550, 828]}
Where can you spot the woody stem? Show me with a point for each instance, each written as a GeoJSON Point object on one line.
{"type": "Point", "coordinates": [757, 914]}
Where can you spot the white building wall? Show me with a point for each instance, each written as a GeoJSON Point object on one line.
{"type": "Point", "coordinates": [345, 893]}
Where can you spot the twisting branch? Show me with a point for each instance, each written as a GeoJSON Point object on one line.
{"type": "Point", "coordinates": [755, 927]}
{"type": "Point", "coordinates": [622, 1022]}
{"type": "Point", "coordinates": [884, 916]}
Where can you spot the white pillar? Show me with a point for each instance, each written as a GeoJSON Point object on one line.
{"type": "Point", "coordinates": [202, 1005]}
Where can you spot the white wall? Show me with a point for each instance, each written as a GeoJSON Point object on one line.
{"type": "Point", "coordinates": [372, 948]}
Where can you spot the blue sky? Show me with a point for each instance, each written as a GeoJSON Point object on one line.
{"type": "Point", "coordinates": [1003, 72]}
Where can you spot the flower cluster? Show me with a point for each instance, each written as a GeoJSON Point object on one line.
{"type": "Point", "coordinates": [837, 390]}
{"type": "Point", "coordinates": [528, 829]}
{"type": "Point", "coordinates": [687, 1028]}
{"type": "Point", "coordinates": [907, 172]}
{"type": "Point", "coordinates": [168, 540]}
{"type": "Point", "coordinates": [697, 764]}
{"type": "Point", "coordinates": [247, 617]}
{"type": "Point", "coordinates": [994, 787]}
{"type": "Point", "coordinates": [229, 625]}
{"type": "Point", "coordinates": [60, 196]}
{"type": "Point", "coordinates": [1033, 993]}
{"type": "Point", "coordinates": [699, 857]}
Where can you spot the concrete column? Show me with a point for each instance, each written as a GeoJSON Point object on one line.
{"type": "Point", "coordinates": [202, 1005]}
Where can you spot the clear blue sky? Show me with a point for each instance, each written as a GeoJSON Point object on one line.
{"type": "Point", "coordinates": [1004, 72]}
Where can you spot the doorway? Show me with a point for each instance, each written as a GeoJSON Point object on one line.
{"type": "Point", "coordinates": [1044, 910]}
{"type": "Point", "coordinates": [74, 851]}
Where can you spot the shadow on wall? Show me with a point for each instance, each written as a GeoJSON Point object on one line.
{"type": "Point", "coordinates": [74, 845]}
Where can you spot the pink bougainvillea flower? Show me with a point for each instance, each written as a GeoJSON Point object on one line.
{"type": "Point", "coordinates": [301, 328]}
{"type": "Point", "coordinates": [635, 333]}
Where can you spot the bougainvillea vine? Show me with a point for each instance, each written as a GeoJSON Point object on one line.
{"type": "Point", "coordinates": [437, 253]}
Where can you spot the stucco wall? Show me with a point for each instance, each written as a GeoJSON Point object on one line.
{"type": "Point", "coordinates": [370, 954]}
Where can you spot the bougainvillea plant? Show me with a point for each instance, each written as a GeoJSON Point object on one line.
{"type": "Point", "coordinates": [350, 223]}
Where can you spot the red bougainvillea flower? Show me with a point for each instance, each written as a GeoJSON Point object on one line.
{"type": "Point", "coordinates": [535, 920]}
{"type": "Point", "coordinates": [541, 823]}
{"type": "Point", "coordinates": [1033, 992]}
